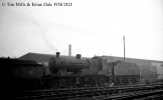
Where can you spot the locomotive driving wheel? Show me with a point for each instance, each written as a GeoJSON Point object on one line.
{"type": "Point", "coordinates": [54, 84]}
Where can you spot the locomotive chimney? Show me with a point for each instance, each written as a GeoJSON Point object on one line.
{"type": "Point", "coordinates": [69, 47]}
{"type": "Point", "coordinates": [57, 54]}
{"type": "Point", "coordinates": [78, 56]}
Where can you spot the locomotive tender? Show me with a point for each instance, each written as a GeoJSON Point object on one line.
{"type": "Point", "coordinates": [69, 71]}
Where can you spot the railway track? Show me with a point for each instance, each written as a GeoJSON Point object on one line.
{"type": "Point", "coordinates": [89, 93]}
{"type": "Point", "coordinates": [142, 95]}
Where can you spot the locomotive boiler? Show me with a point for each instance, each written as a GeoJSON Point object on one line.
{"type": "Point", "coordinates": [61, 66]}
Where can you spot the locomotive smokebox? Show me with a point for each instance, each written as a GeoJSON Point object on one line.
{"type": "Point", "coordinates": [57, 54]}
{"type": "Point", "coordinates": [78, 56]}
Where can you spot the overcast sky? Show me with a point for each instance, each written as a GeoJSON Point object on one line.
{"type": "Point", "coordinates": [92, 27]}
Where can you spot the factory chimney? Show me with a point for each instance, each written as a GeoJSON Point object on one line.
{"type": "Point", "coordinates": [124, 47]}
{"type": "Point", "coordinates": [69, 47]}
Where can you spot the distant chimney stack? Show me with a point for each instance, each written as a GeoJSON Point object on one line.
{"type": "Point", "coordinates": [69, 46]}
{"type": "Point", "coordinates": [57, 54]}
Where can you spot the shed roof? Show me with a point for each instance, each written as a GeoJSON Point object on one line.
{"type": "Point", "coordinates": [9, 62]}
{"type": "Point", "coordinates": [133, 60]}
{"type": "Point", "coordinates": [44, 58]}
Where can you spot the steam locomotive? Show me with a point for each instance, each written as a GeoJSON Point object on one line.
{"type": "Point", "coordinates": [76, 71]}
{"type": "Point", "coordinates": [67, 72]}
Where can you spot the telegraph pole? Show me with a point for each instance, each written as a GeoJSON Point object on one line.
{"type": "Point", "coordinates": [124, 46]}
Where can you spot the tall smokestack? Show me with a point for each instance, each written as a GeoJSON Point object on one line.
{"type": "Point", "coordinates": [69, 47]}
{"type": "Point", "coordinates": [124, 47]}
